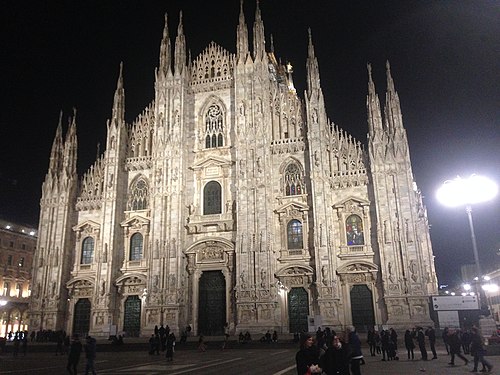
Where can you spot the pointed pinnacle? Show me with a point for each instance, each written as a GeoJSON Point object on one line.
{"type": "Point", "coordinates": [180, 27]}
{"type": "Point", "coordinates": [165, 28]}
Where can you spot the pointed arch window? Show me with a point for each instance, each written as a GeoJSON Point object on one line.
{"type": "Point", "coordinates": [293, 180]}
{"type": "Point", "coordinates": [139, 195]}
{"type": "Point", "coordinates": [354, 231]}
{"type": "Point", "coordinates": [212, 198]}
{"type": "Point", "coordinates": [294, 234]}
{"type": "Point", "coordinates": [87, 251]}
{"type": "Point", "coordinates": [214, 127]}
{"type": "Point", "coordinates": [136, 245]}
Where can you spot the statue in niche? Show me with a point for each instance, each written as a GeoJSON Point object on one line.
{"type": "Point", "coordinates": [155, 283]}
{"type": "Point", "coordinates": [259, 164]}
{"type": "Point", "coordinates": [156, 253]}
{"type": "Point", "coordinates": [105, 254]}
{"type": "Point", "coordinates": [413, 270]}
{"type": "Point", "coordinates": [243, 279]}
{"type": "Point", "coordinates": [390, 270]}
{"type": "Point", "coordinates": [324, 275]}
{"type": "Point", "coordinates": [263, 275]}
{"type": "Point", "coordinates": [53, 289]}
{"type": "Point", "coordinates": [171, 282]}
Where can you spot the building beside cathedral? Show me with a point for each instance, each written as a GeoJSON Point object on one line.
{"type": "Point", "coordinates": [231, 199]}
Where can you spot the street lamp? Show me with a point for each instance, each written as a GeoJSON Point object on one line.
{"type": "Point", "coordinates": [466, 192]}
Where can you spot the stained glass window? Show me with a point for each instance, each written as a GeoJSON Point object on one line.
{"type": "Point", "coordinates": [294, 234]}
{"type": "Point", "coordinates": [212, 198]}
{"type": "Point", "coordinates": [136, 246]}
{"type": "Point", "coordinates": [354, 231]}
{"type": "Point", "coordinates": [139, 195]}
{"type": "Point", "coordinates": [87, 250]}
{"type": "Point", "coordinates": [214, 127]}
{"type": "Point", "coordinates": [293, 180]}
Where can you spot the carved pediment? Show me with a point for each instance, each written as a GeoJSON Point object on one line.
{"type": "Point", "coordinates": [294, 271]}
{"type": "Point", "coordinates": [211, 162]}
{"type": "Point", "coordinates": [136, 222]}
{"type": "Point", "coordinates": [358, 267]}
{"type": "Point", "coordinates": [87, 228]}
{"type": "Point", "coordinates": [292, 209]}
{"type": "Point", "coordinates": [351, 204]}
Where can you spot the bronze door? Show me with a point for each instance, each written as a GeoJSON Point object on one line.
{"type": "Point", "coordinates": [298, 310]}
{"type": "Point", "coordinates": [212, 303]}
{"type": "Point", "coordinates": [132, 316]}
{"type": "Point", "coordinates": [363, 317]}
{"type": "Point", "coordinates": [81, 318]}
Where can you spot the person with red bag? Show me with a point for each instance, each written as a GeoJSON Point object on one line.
{"type": "Point", "coordinates": [307, 358]}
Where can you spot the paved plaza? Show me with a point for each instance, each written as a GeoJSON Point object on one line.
{"type": "Point", "coordinates": [257, 358]}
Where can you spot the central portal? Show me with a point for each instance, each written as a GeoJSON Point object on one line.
{"type": "Point", "coordinates": [212, 303]}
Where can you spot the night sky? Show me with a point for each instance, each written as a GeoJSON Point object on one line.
{"type": "Point", "coordinates": [444, 55]}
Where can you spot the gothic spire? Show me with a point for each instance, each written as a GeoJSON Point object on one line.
{"type": "Point", "coordinates": [165, 50]}
{"type": "Point", "coordinates": [118, 115]}
{"type": "Point", "coordinates": [373, 106]}
{"type": "Point", "coordinates": [313, 82]}
{"type": "Point", "coordinates": [392, 110]}
{"type": "Point", "coordinates": [57, 146]}
{"type": "Point", "coordinates": [180, 48]}
{"type": "Point", "coordinates": [259, 40]}
{"type": "Point", "coordinates": [241, 37]}
{"type": "Point", "coordinates": [70, 147]}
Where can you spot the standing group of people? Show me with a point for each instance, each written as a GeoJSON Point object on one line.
{"type": "Point", "coordinates": [164, 340]}
{"type": "Point", "coordinates": [75, 350]}
{"type": "Point", "coordinates": [330, 354]}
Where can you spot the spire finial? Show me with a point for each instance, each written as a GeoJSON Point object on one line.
{"type": "Point", "coordinates": [120, 76]}
{"type": "Point", "coordinates": [180, 27]}
{"type": "Point", "coordinates": [272, 44]}
{"type": "Point", "coordinates": [165, 28]}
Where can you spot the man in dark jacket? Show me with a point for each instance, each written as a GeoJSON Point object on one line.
{"type": "Point", "coordinates": [355, 348]}
{"type": "Point", "coordinates": [455, 344]}
{"type": "Point", "coordinates": [431, 334]}
{"type": "Point", "coordinates": [421, 343]}
{"type": "Point", "coordinates": [477, 350]}
{"type": "Point", "coordinates": [90, 353]}
{"type": "Point", "coordinates": [335, 361]}
{"type": "Point", "coordinates": [74, 354]}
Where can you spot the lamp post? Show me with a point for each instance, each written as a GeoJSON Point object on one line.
{"type": "Point", "coordinates": [466, 192]}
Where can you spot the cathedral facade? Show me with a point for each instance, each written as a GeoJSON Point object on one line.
{"type": "Point", "coordinates": [231, 200]}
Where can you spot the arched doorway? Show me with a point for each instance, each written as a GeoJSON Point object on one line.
{"type": "Point", "coordinates": [298, 309]}
{"type": "Point", "coordinates": [81, 318]}
{"type": "Point", "coordinates": [212, 303]}
{"type": "Point", "coordinates": [363, 317]}
{"type": "Point", "coordinates": [132, 316]}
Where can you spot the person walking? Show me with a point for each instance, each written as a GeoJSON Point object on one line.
{"type": "Point", "coordinates": [170, 346]}
{"type": "Point", "coordinates": [335, 361]}
{"type": "Point", "coordinates": [307, 358]}
{"type": "Point", "coordinates": [90, 354]}
{"type": "Point", "coordinates": [409, 344]}
{"type": "Point", "coordinates": [445, 339]}
{"type": "Point", "coordinates": [421, 343]}
{"type": "Point", "coordinates": [477, 350]}
{"type": "Point", "coordinates": [355, 349]}
{"type": "Point", "coordinates": [75, 350]}
{"type": "Point", "coordinates": [226, 336]}
{"type": "Point", "coordinates": [431, 334]}
{"type": "Point", "coordinates": [455, 344]}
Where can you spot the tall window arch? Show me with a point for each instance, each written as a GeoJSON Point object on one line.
{"type": "Point", "coordinates": [87, 250]}
{"type": "Point", "coordinates": [136, 245]}
{"type": "Point", "coordinates": [214, 127]}
{"type": "Point", "coordinates": [354, 231]}
{"type": "Point", "coordinates": [293, 181]}
{"type": "Point", "coordinates": [212, 198]}
{"type": "Point", "coordinates": [139, 195]}
{"type": "Point", "coordinates": [294, 234]}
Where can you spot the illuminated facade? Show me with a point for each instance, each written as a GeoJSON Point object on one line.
{"type": "Point", "coordinates": [230, 199]}
{"type": "Point", "coordinates": [17, 247]}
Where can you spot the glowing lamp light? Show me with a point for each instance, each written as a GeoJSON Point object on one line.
{"type": "Point", "coordinates": [3, 302]}
{"type": "Point", "coordinates": [491, 288]}
{"type": "Point", "coordinates": [466, 192]}
{"type": "Point", "coordinates": [467, 287]}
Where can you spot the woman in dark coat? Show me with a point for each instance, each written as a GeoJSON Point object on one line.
{"type": "Point", "coordinates": [307, 356]}
{"type": "Point", "coordinates": [409, 344]}
{"type": "Point", "coordinates": [336, 359]}
{"type": "Point", "coordinates": [170, 347]}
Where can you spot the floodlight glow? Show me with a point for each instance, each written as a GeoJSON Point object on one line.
{"type": "Point", "coordinates": [467, 287]}
{"type": "Point", "coordinates": [3, 302]}
{"type": "Point", "coordinates": [487, 278]}
{"type": "Point", "coordinates": [492, 288]}
{"type": "Point", "coordinates": [465, 192]}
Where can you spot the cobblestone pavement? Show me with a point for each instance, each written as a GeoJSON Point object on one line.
{"type": "Point", "coordinates": [272, 360]}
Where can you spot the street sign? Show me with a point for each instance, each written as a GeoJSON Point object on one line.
{"type": "Point", "coordinates": [450, 303]}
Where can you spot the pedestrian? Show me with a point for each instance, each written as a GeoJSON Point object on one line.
{"type": "Point", "coordinates": [455, 343]}
{"type": "Point", "coordinates": [370, 339]}
{"type": "Point", "coordinates": [90, 354]}
{"type": "Point", "coordinates": [335, 361]}
{"type": "Point", "coordinates": [275, 336]}
{"type": "Point", "coordinates": [24, 344]}
{"type": "Point", "coordinates": [384, 341]}
{"type": "Point", "coordinates": [431, 334]}
{"type": "Point", "coordinates": [75, 350]}
{"type": "Point", "coordinates": [409, 344]}
{"type": "Point", "coordinates": [356, 355]}
{"type": "Point", "coordinates": [477, 350]}
{"type": "Point", "coordinates": [226, 336]}
{"type": "Point", "coordinates": [466, 340]}
{"type": "Point", "coordinates": [307, 358]}
{"type": "Point", "coordinates": [421, 343]}
{"type": "Point", "coordinates": [445, 339]}
{"type": "Point", "coordinates": [201, 344]}
{"type": "Point", "coordinates": [16, 345]}
{"type": "Point", "coordinates": [170, 346]}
